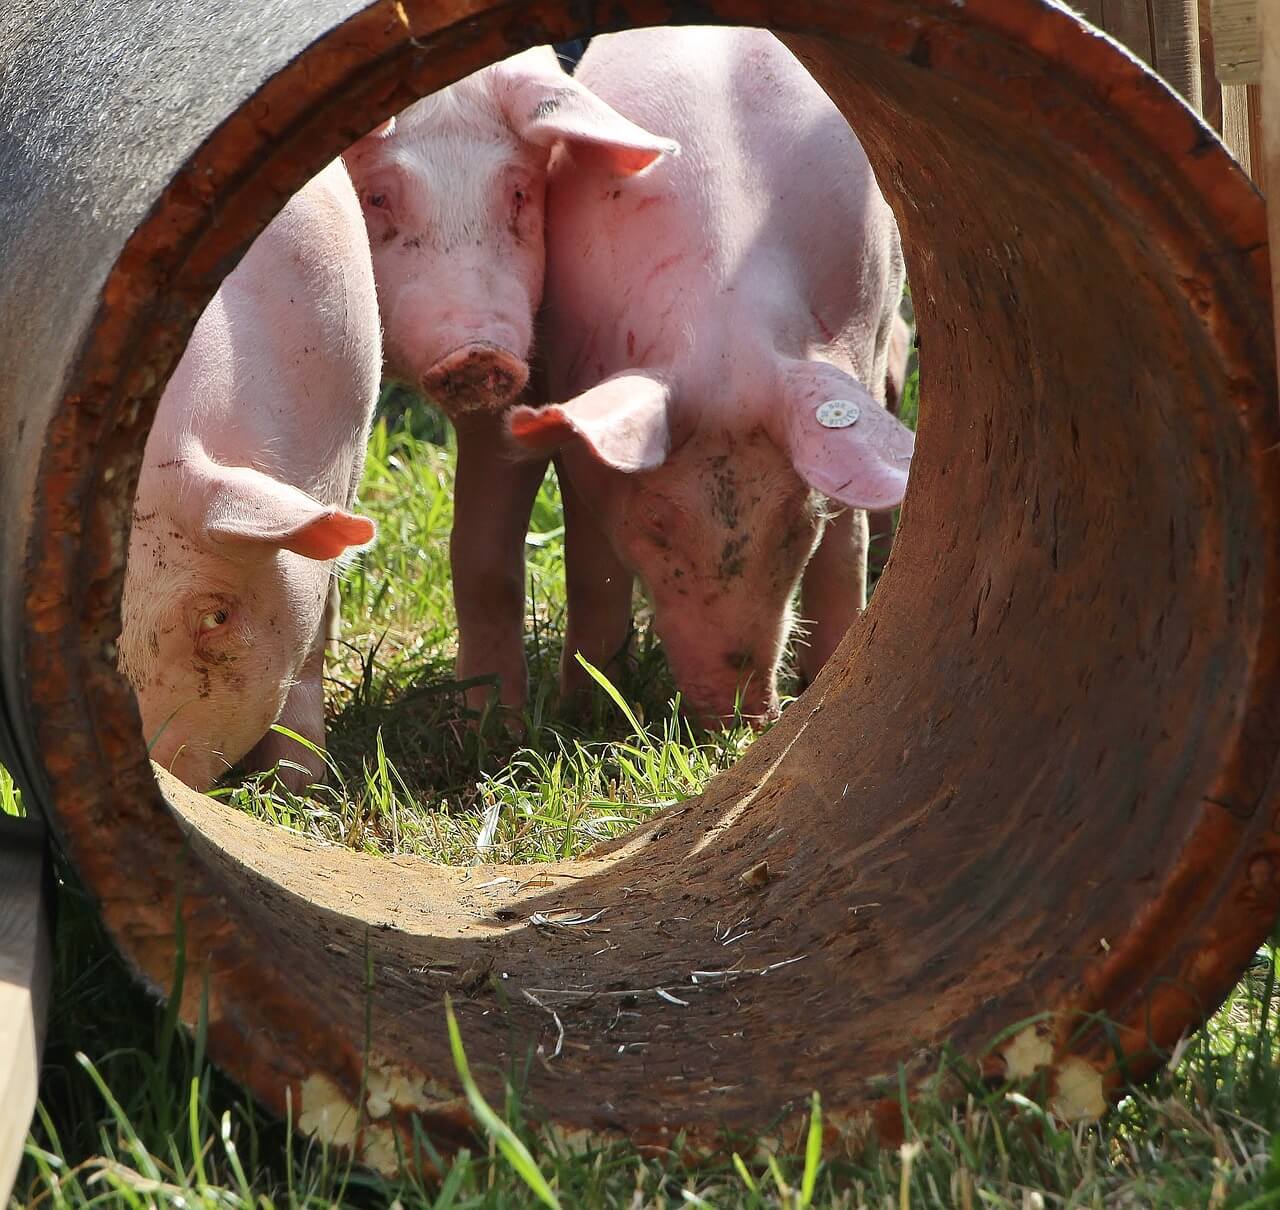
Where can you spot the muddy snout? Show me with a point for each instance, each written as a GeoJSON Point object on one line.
{"type": "Point", "coordinates": [731, 706]}
{"type": "Point", "coordinates": [757, 716]}
{"type": "Point", "coordinates": [476, 377]}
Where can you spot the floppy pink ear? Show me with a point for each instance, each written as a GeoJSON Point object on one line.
{"type": "Point", "coordinates": [622, 421]}
{"type": "Point", "coordinates": [381, 132]}
{"type": "Point", "coordinates": [242, 505]}
{"type": "Point", "coordinates": [360, 149]}
{"type": "Point", "coordinates": [841, 441]}
{"type": "Point", "coordinates": [545, 106]}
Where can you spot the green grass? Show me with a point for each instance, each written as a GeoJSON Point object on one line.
{"type": "Point", "coordinates": [132, 1115]}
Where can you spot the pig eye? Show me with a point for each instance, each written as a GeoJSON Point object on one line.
{"type": "Point", "coordinates": [213, 618]}
{"type": "Point", "coordinates": [214, 626]}
{"type": "Point", "coordinates": [656, 525]}
{"type": "Point", "coordinates": [379, 201]}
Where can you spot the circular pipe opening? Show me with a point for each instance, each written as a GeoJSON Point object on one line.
{"type": "Point", "coordinates": [1036, 781]}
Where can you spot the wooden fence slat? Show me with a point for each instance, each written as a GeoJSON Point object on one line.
{"type": "Point", "coordinates": [1093, 11]}
{"type": "Point", "coordinates": [1127, 21]}
{"type": "Point", "coordinates": [1258, 159]}
{"type": "Point", "coordinates": [1237, 56]}
{"type": "Point", "coordinates": [25, 968]}
{"type": "Point", "coordinates": [1210, 85]}
{"type": "Point", "coordinates": [1242, 128]}
{"type": "Point", "coordinates": [1175, 33]}
{"type": "Point", "coordinates": [1164, 34]}
{"type": "Point", "coordinates": [1235, 124]}
{"type": "Point", "coordinates": [1268, 145]}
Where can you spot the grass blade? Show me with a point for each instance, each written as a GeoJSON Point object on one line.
{"type": "Point", "coordinates": [812, 1152]}
{"type": "Point", "coordinates": [618, 700]}
{"type": "Point", "coordinates": [513, 1150]}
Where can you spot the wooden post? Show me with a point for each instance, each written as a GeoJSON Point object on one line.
{"type": "Point", "coordinates": [1165, 34]}
{"type": "Point", "coordinates": [1237, 63]}
{"type": "Point", "coordinates": [1269, 72]}
{"type": "Point", "coordinates": [1210, 86]}
{"type": "Point", "coordinates": [25, 966]}
{"type": "Point", "coordinates": [1242, 128]}
{"type": "Point", "coordinates": [1236, 46]}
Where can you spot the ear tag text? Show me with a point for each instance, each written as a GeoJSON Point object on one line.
{"type": "Point", "coordinates": [837, 413]}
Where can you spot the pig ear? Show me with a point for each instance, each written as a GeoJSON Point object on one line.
{"type": "Point", "coordinates": [545, 106]}
{"type": "Point", "coordinates": [246, 506]}
{"type": "Point", "coordinates": [382, 131]}
{"type": "Point", "coordinates": [378, 135]}
{"type": "Point", "coordinates": [841, 440]}
{"type": "Point", "coordinates": [623, 422]}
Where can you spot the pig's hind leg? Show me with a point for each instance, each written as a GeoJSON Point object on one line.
{"type": "Point", "coordinates": [834, 588]}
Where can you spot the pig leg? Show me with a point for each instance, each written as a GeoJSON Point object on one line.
{"type": "Point", "coordinates": [303, 713]}
{"type": "Point", "coordinates": [598, 588]}
{"type": "Point", "coordinates": [834, 588]}
{"type": "Point", "coordinates": [493, 497]}
{"type": "Point", "coordinates": [332, 623]}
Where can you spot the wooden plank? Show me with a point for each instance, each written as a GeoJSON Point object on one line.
{"type": "Point", "coordinates": [1258, 158]}
{"type": "Point", "coordinates": [1235, 124]}
{"type": "Point", "coordinates": [1127, 21]}
{"type": "Point", "coordinates": [1175, 29]}
{"type": "Point", "coordinates": [1092, 11]}
{"type": "Point", "coordinates": [1164, 34]}
{"type": "Point", "coordinates": [1268, 145]}
{"type": "Point", "coordinates": [1210, 86]}
{"type": "Point", "coordinates": [25, 968]}
{"type": "Point", "coordinates": [1237, 55]}
{"type": "Point", "coordinates": [1242, 128]}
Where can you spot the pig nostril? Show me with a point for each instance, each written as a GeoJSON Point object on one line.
{"type": "Point", "coordinates": [740, 661]}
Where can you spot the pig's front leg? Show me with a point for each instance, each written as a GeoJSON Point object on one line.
{"type": "Point", "coordinates": [834, 588]}
{"type": "Point", "coordinates": [492, 500]}
{"type": "Point", "coordinates": [303, 713]}
{"type": "Point", "coordinates": [598, 591]}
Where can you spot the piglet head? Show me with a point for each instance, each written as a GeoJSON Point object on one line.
{"type": "Point", "coordinates": [452, 191]}
{"type": "Point", "coordinates": [224, 594]}
{"type": "Point", "coordinates": [715, 525]}
{"type": "Point", "coordinates": [720, 521]}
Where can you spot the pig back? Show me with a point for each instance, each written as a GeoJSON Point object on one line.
{"type": "Point", "coordinates": [299, 327]}
{"type": "Point", "coordinates": [772, 198]}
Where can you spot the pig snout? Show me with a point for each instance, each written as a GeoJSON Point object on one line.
{"type": "Point", "coordinates": [474, 377]}
{"type": "Point", "coordinates": [757, 714]}
{"type": "Point", "coordinates": [188, 761]}
{"type": "Point", "coordinates": [743, 692]}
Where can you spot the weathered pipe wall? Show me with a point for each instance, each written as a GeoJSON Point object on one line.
{"type": "Point", "coordinates": [1039, 778]}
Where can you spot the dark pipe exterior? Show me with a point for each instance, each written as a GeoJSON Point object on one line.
{"type": "Point", "coordinates": [1039, 778]}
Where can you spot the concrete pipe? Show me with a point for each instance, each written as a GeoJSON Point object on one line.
{"type": "Point", "coordinates": [1036, 784]}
